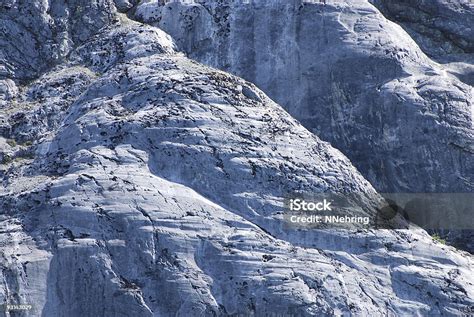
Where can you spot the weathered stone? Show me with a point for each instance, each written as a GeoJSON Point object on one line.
{"type": "Point", "coordinates": [349, 75]}
{"type": "Point", "coordinates": [157, 187]}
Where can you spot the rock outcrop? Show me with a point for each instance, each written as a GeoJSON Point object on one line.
{"type": "Point", "coordinates": [443, 29]}
{"type": "Point", "coordinates": [38, 34]}
{"type": "Point", "coordinates": [349, 75]}
{"type": "Point", "coordinates": [138, 182]}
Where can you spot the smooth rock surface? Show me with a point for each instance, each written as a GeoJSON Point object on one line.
{"type": "Point", "coordinates": [349, 75]}
{"type": "Point", "coordinates": [142, 183]}
{"type": "Point", "coordinates": [443, 29]}
{"type": "Point", "coordinates": [143, 235]}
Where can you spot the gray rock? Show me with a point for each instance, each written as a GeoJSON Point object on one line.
{"type": "Point", "coordinates": [160, 193]}
{"type": "Point", "coordinates": [349, 75]}
{"type": "Point", "coordinates": [442, 28]}
{"type": "Point", "coordinates": [8, 91]}
{"type": "Point", "coordinates": [38, 34]}
{"type": "Point", "coordinates": [155, 187]}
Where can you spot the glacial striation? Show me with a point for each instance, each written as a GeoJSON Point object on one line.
{"type": "Point", "coordinates": [138, 182]}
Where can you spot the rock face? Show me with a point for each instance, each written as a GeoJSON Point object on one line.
{"type": "Point", "coordinates": [37, 34]}
{"type": "Point", "coordinates": [351, 76]}
{"type": "Point", "coordinates": [142, 183]}
{"type": "Point", "coordinates": [443, 29]}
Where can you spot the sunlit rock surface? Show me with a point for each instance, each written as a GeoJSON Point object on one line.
{"type": "Point", "coordinates": [350, 75]}
{"type": "Point", "coordinates": [137, 182]}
